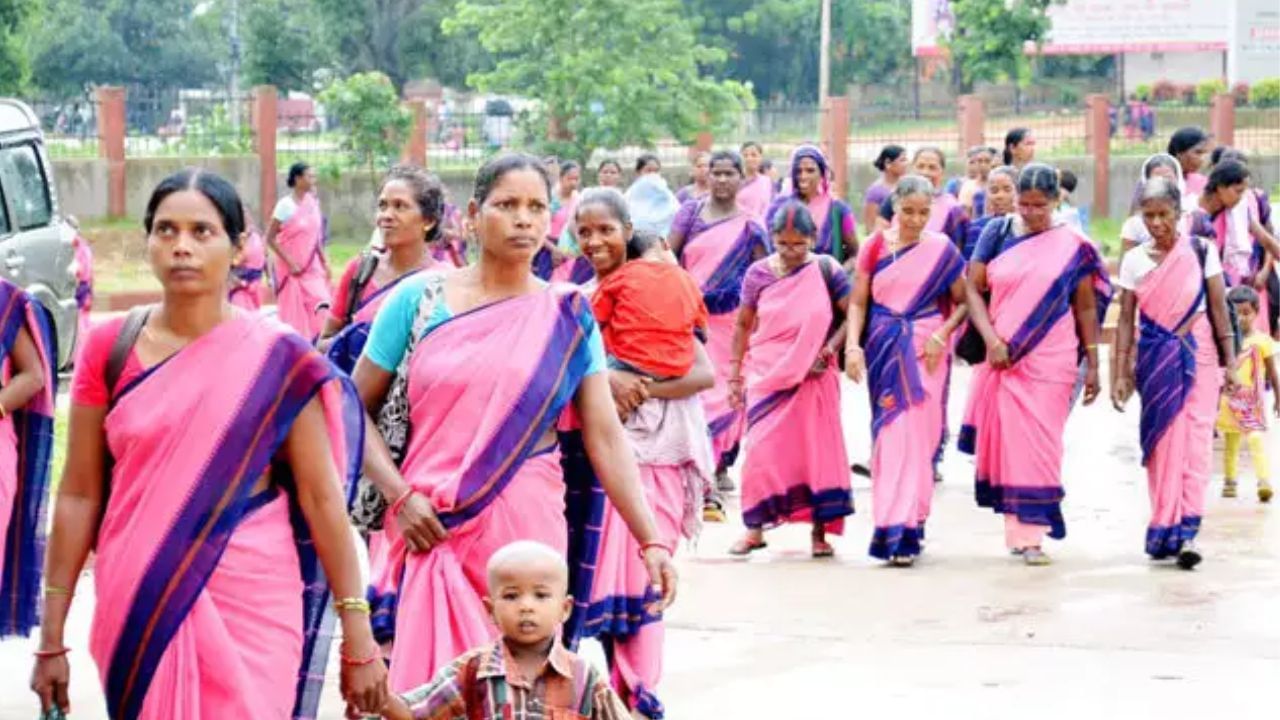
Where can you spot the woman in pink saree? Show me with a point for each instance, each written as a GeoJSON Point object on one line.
{"type": "Point", "coordinates": [28, 356]}
{"type": "Point", "coordinates": [1175, 285]}
{"type": "Point", "coordinates": [480, 364]}
{"type": "Point", "coordinates": [1048, 289]}
{"type": "Point", "coordinates": [716, 242]}
{"type": "Point", "coordinates": [811, 184]}
{"type": "Point", "coordinates": [210, 457]}
{"type": "Point", "coordinates": [84, 286]}
{"type": "Point", "coordinates": [247, 273]}
{"type": "Point", "coordinates": [410, 208]}
{"type": "Point", "coordinates": [296, 237]}
{"type": "Point", "coordinates": [909, 294]}
{"type": "Point", "coordinates": [667, 429]}
{"type": "Point", "coordinates": [756, 194]}
{"type": "Point", "coordinates": [792, 324]}
{"type": "Point", "coordinates": [1190, 145]}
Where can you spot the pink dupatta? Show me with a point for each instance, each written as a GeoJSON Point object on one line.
{"type": "Point", "coordinates": [210, 599]}
{"type": "Point", "coordinates": [1015, 417]}
{"type": "Point", "coordinates": [796, 469]}
{"type": "Point", "coordinates": [301, 300]}
{"type": "Point", "coordinates": [478, 414]}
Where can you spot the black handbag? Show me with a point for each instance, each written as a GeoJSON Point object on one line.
{"type": "Point", "coordinates": [971, 347]}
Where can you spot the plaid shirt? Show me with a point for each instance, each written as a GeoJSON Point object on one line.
{"type": "Point", "coordinates": [567, 688]}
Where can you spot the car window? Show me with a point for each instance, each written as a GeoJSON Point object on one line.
{"type": "Point", "coordinates": [4, 215]}
{"type": "Point", "coordinates": [24, 182]}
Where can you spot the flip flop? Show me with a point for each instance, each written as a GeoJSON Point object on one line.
{"type": "Point", "coordinates": [745, 547]}
{"type": "Point", "coordinates": [823, 549]}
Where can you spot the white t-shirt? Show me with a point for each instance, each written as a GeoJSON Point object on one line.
{"type": "Point", "coordinates": [1137, 264]}
{"type": "Point", "coordinates": [285, 208]}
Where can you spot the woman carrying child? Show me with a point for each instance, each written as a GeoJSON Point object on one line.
{"type": "Point", "coordinates": [648, 309]}
{"type": "Point", "coordinates": [1175, 285]}
{"type": "Point", "coordinates": [716, 241]}
{"type": "Point", "coordinates": [792, 325]}
{"type": "Point", "coordinates": [909, 294]}
{"type": "Point", "coordinates": [482, 362]}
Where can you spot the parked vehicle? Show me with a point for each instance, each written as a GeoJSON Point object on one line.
{"type": "Point", "coordinates": [36, 243]}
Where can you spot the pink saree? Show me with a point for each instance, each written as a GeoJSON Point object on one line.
{"type": "Point", "coordinates": [1178, 381]}
{"type": "Point", "coordinates": [246, 277]}
{"type": "Point", "coordinates": [909, 294]}
{"type": "Point", "coordinates": [755, 197]}
{"type": "Point", "coordinates": [796, 469]}
{"type": "Point", "coordinates": [302, 301]}
{"type": "Point", "coordinates": [84, 286]}
{"type": "Point", "coordinates": [26, 449]}
{"type": "Point", "coordinates": [717, 256]}
{"type": "Point", "coordinates": [210, 598]}
{"type": "Point", "coordinates": [478, 416]}
{"type": "Point", "coordinates": [1015, 417]}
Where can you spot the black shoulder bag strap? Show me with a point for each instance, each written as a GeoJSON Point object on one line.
{"type": "Point", "coordinates": [120, 348]}
{"type": "Point", "coordinates": [364, 273]}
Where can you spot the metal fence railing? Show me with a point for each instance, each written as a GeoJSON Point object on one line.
{"type": "Point", "coordinates": [188, 123]}
{"type": "Point", "coordinates": [70, 125]}
{"type": "Point", "coordinates": [1258, 130]}
{"type": "Point", "coordinates": [874, 126]}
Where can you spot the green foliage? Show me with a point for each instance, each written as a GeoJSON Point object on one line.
{"type": "Point", "coordinates": [991, 35]}
{"type": "Point", "coordinates": [14, 66]}
{"type": "Point", "coordinates": [368, 109]}
{"type": "Point", "coordinates": [1143, 91]}
{"type": "Point", "coordinates": [149, 43]}
{"type": "Point", "coordinates": [214, 134]}
{"type": "Point", "coordinates": [1266, 93]}
{"type": "Point", "coordinates": [606, 73]}
{"type": "Point", "coordinates": [1208, 90]}
{"type": "Point", "coordinates": [283, 44]}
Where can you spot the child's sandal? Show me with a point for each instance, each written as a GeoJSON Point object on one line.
{"type": "Point", "coordinates": [1229, 489]}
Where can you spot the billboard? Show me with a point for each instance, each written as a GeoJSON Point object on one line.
{"type": "Point", "coordinates": [1096, 27]}
{"type": "Point", "coordinates": [1255, 41]}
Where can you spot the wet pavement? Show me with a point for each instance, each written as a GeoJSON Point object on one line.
{"type": "Point", "coordinates": [970, 632]}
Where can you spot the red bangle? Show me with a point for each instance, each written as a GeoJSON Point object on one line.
{"type": "Point", "coordinates": [655, 544]}
{"type": "Point", "coordinates": [396, 506]}
{"type": "Point", "coordinates": [51, 653]}
{"type": "Point", "coordinates": [360, 662]}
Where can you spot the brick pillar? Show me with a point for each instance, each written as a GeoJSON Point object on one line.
{"type": "Point", "coordinates": [835, 137]}
{"type": "Point", "coordinates": [415, 151]}
{"type": "Point", "coordinates": [265, 111]}
{"type": "Point", "coordinates": [431, 109]}
{"type": "Point", "coordinates": [111, 130]}
{"type": "Point", "coordinates": [1097, 129]}
{"type": "Point", "coordinates": [1222, 119]}
{"type": "Point", "coordinates": [971, 114]}
{"type": "Point", "coordinates": [703, 142]}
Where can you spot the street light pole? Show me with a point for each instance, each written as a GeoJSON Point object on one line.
{"type": "Point", "coordinates": [824, 57]}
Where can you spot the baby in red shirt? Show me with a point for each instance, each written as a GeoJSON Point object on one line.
{"type": "Point", "coordinates": [649, 310]}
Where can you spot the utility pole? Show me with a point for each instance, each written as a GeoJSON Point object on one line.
{"type": "Point", "coordinates": [824, 57]}
{"type": "Point", "coordinates": [234, 88]}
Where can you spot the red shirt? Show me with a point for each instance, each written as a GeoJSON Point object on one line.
{"type": "Point", "coordinates": [647, 312]}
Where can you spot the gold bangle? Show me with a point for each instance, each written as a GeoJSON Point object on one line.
{"type": "Point", "coordinates": [353, 604]}
{"type": "Point", "coordinates": [57, 590]}
{"type": "Point", "coordinates": [1093, 346]}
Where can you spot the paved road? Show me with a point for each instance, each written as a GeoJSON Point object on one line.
{"type": "Point", "coordinates": [969, 632]}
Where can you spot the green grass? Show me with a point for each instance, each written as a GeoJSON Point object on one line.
{"type": "Point", "coordinates": [1107, 232]}
{"type": "Point", "coordinates": [341, 253]}
{"type": "Point", "coordinates": [59, 448]}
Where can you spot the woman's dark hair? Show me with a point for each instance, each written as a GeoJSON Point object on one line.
{"type": "Point", "coordinates": [727, 156]}
{"type": "Point", "coordinates": [569, 166]}
{"type": "Point", "coordinates": [645, 159]}
{"type": "Point", "coordinates": [1011, 139]}
{"type": "Point", "coordinates": [1183, 139]}
{"type": "Point", "coordinates": [427, 192]}
{"type": "Point", "coordinates": [610, 199]}
{"type": "Point", "coordinates": [1225, 174]}
{"type": "Point", "coordinates": [794, 215]}
{"type": "Point", "coordinates": [1244, 295]}
{"type": "Point", "coordinates": [491, 172]}
{"type": "Point", "coordinates": [217, 190]}
{"type": "Point", "coordinates": [942, 157]}
{"type": "Point", "coordinates": [766, 165]}
{"type": "Point", "coordinates": [609, 161]}
{"type": "Point", "coordinates": [296, 171]}
{"type": "Point", "coordinates": [751, 144]}
{"type": "Point", "coordinates": [1226, 152]}
{"type": "Point", "coordinates": [1067, 181]}
{"type": "Point", "coordinates": [888, 154]}
{"type": "Point", "coordinates": [1038, 177]}
{"type": "Point", "coordinates": [641, 242]}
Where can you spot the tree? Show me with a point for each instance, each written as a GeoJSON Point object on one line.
{"type": "Point", "coordinates": [989, 42]}
{"type": "Point", "coordinates": [606, 73]}
{"type": "Point", "coordinates": [283, 44]}
{"type": "Point", "coordinates": [14, 66]}
{"type": "Point", "coordinates": [368, 109]}
{"type": "Point", "coordinates": [153, 44]}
